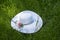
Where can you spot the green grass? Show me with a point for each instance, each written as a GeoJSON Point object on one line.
{"type": "Point", "coordinates": [49, 10]}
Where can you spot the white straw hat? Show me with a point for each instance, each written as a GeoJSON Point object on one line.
{"type": "Point", "coordinates": [30, 22]}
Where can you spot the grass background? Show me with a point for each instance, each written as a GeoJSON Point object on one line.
{"type": "Point", "coordinates": [49, 10]}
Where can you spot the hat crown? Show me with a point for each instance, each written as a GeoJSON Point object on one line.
{"type": "Point", "coordinates": [26, 18]}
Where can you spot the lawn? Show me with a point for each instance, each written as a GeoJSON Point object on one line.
{"type": "Point", "coordinates": [49, 10]}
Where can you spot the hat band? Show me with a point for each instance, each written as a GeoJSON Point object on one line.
{"type": "Point", "coordinates": [29, 23]}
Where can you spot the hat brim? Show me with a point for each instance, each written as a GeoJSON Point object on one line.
{"type": "Point", "coordinates": [30, 28]}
